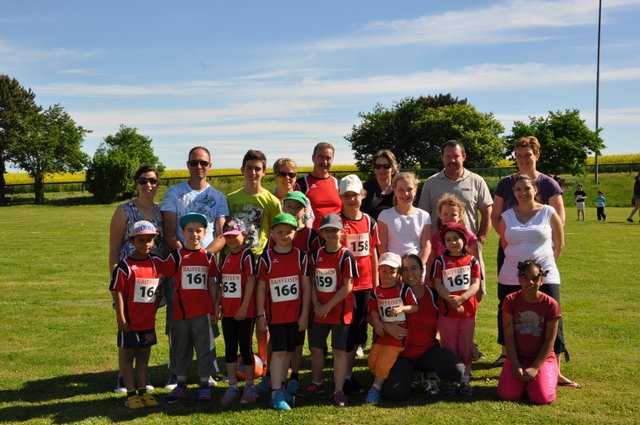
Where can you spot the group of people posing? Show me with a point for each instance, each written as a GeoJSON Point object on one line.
{"type": "Point", "coordinates": [330, 256]}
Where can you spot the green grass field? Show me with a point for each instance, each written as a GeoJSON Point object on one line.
{"type": "Point", "coordinates": [58, 352]}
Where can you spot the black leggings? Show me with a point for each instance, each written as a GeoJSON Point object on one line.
{"type": "Point", "coordinates": [445, 364]}
{"type": "Point", "coordinates": [238, 333]}
{"type": "Point", "coordinates": [358, 329]}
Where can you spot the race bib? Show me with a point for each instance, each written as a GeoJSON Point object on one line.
{"type": "Point", "coordinates": [457, 279]}
{"type": "Point", "coordinates": [358, 244]}
{"type": "Point", "coordinates": [145, 290]}
{"type": "Point", "coordinates": [231, 286]}
{"type": "Point", "coordinates": [284, 289]}
{"type": "Point", "coordinates": [385, 307]}
{"type": "Point", "coordinates": [194, 277]}
{"type": "Point", "coordinates": [326, 280]}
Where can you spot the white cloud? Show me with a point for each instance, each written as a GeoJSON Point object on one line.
{"type": "Point", "coordinates": [505, 22]}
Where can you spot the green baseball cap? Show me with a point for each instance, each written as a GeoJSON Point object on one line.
{"type": "Point", "coordinates": [297, 196]}
{"type": "Point", "coordinates": [285, 218]}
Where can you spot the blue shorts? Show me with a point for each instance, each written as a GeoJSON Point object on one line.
{"type": "Point", "coordinates": [132, 340]}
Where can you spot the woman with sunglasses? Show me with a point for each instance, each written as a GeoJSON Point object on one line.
{"type": "Point", "coordinates": [143, 207]}
{"type": "Point", "coordinates": [379, 189]}
{"type": "Point", "coordinates": [285, 172]}
{"type": "Point", "coordinates": [531, 230]}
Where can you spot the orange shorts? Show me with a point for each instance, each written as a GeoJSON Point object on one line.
{"type": "Point", "coordinates": [382, 358]}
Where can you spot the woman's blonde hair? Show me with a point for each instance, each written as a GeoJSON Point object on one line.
{"type": "Point", "coordinates": [405, 175]}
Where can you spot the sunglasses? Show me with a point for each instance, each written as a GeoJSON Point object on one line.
{"type": "Point", "coordinates": [379, 166]}
{"type": "Point", "coordinates": [145, 180]}
{"type": "Point", "coordinates": [291, 175]}
{"type": "Point", "coordinates": [196, 162]}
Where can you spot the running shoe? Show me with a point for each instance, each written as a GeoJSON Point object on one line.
{"type": "Point", "coordinates": [171, 383]}
{"type": "Point", "coordinates": [293, 386]}
{"type": "Point", "coordinates": [465, 389]}
{"type": "Point", "coordinates": [448, 388]}
{"type": "Point", "coordinates": [120, 387]}
{"type": "Point", "coordinates": [373, 396]}
{"type": "Point", "coordinates": [204, 394]}
{"type": "Point", "coordinates": [265, 385]}
{"type": "Point", "coordinates": [180, 391]}
{"type": "Point", "coordinates": [278, 402]}
{"type": "Point", "coordinates": [249, 395]}
{"type": "Point", "coordinates": [230, 395]}
{"type": "Point", "coordinates": [314, 389]}
{"type": "Point", "coordinates": [340, 399]}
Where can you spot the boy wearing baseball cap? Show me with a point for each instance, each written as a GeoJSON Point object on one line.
{"type": "Point", "coordinates": [282, 301]}
{"type": "Point", "coordinates": [388, 304]}
{"type": "Point", "coordinates": [134, 283]}
{"type": "Point", "coordinates": [194, 270]}
{"type": "Point", "coordinates": [333, 269]}
{"type": "Point", "coordinates": [361, 238]}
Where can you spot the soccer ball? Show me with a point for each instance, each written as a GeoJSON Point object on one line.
{"type": "Point", "coordinates": [257, 368]}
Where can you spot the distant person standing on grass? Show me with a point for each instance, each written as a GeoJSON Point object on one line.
{"type": "Point", "coordinates": [600, 204]}
{"type": "Point", "coordinates": [580, 196]}
{"type": "Point", "coordinates": [636, 198]}
{"type": "Point", "coordinates": [195, 195]}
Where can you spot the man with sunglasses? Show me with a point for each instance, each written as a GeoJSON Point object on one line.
{"type": "Point", "coordinates": [319, 186]}
{"type": "Point", "coordinates": [195, 195]}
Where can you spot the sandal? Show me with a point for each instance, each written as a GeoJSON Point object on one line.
{"type": "Point", "coordinates": [570, 383]}
{"type": "Point", "coordinates": [499, 362]}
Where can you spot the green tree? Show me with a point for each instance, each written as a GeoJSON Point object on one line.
{"type": "Point", "coordinates": [565, 141]}
{"type": "Point", "coordinates": [15, 102]}
{"type": "Point", "coordinates": [115, 162]}
{"type": "Point", "coordinates": [415, 129]}
{"type": "Point", "coordinates": [49, 142]}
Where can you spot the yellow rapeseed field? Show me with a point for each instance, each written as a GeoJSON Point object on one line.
{"type": "Point", "coordinates": [23, 178]}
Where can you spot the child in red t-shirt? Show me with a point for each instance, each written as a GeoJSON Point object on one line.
{"type": "Point", "coordinates": [388, 303]}
{"type": "Point", "coordinates": [282, 301]}
{"type": "Point", "coordinates": [333, 270]}
{"type": "Point", "coordinates": [195, 271]}
{"type": "Point", "coordinates": [456, 277]}
{"type": "Point", "coordinates": [237, 310]}
{"type": "Point", "coordinates": [361, 237]}
{"type": "Point", "coordinates": [134, 283]}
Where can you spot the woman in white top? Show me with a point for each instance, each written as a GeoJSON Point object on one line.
{"type": "Point", "coordinates": [531, 230]}
{"type": "Point", "coordinates": [405, 229]}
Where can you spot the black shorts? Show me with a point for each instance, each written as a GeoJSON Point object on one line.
{"type": "Point", "coordinates": [318, 333]}
{"type": "Point", "coordinates": [132, 340]}
{"type": "Point", "coordinates": [284, 336]}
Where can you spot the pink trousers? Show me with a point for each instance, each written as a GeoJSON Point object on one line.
{"type": "Point", "coordinates": [542, 390]}
{"type": "Point", "coordinates": [456, 335]}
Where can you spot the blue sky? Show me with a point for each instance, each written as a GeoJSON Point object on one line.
{"type": "Point", "coordinates": [282, 75]}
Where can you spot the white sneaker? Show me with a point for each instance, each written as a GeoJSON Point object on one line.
{"type": "Point", "coordinates": [359, 351]}
{"type": "Point", "coordinates": [171, 383]}
{"type": "Point", "coordinates": [120, 388]}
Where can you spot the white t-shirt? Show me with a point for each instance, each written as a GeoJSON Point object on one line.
{"type": "Point", "coordinates": [182, 199]}
{"type": "Point", "coordinates": [404, 231]}
{"type": "Point", "coordinates": [530, 240]}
